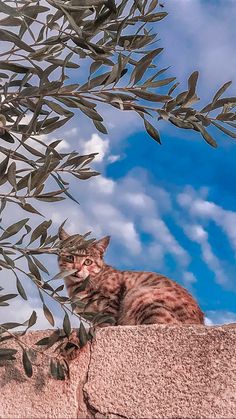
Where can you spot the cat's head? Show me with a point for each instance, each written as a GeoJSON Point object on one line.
{"type": "Point", "coordinates": [88, 262]}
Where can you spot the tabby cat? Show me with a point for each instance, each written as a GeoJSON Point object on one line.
{"type": "Point", "coordinates": [130, 297]}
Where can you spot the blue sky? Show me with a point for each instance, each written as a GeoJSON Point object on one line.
{"type": "Point", "coordinates": [169, 208]}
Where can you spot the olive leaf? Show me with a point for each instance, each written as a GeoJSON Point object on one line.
{"type": "Point", "coordinates": [14, 229]}
{"type": "Point", "coordinates": [82, 335]}
{"type": "Point", "coordinates": [152, 131]}
{"type": "Point", "coordinates": [7, 354]}
{"type": "Point", "coordinates": [27, 363]}
{"type": "Point", "coordinates": [66, 325]}
{"type": "Point", "coordinates": [48, 315]}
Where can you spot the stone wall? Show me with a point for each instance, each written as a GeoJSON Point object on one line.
{"type": "Point", "coordinates": [132, 372]}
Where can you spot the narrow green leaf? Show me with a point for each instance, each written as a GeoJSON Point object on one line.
{"type": "Point", "coordinates": [221, 91]}
{"type": "Point", "coordinates": [57, 370]}
{"type": "Point", "coordinates": [29, 208]}
{"type": "Point", "coordinates": [82, 335]}
{"type": "Point", "coordinates": [49, 198]}
{"type": "Point", "coordinates": [20, 289]}
{"type": "Point", "coordinates": [11, 175]}
{"type": "Point", "coordinates": [57, 108]}
{"type": "Point", "coordinates": [7, 354]}
{"type": "Point", "coordinates": [152, 131]}
{"type": "Point", "coordinates": [72, 22]}
{"type": "Point", "coordinates": [8, 260]}
{"type": "Point", "coordinates": [27, 363]}
{"type": "Point", "coordinates": [48, 315]}
{"type": "Point", "coordinates": [10, 325]}
{"type": "Point", "coordinates": [64, 274]}
{"type": "Point", "coordinates": [96, 81]}
{"type": "Point", "coordinates": [143, 64]}
{"type": "Point", "coordinates": [40, 230]}
{"type": "Point", "coordinates": [60, 288]}
{"type": "Point", "coordinates": [7, 297]}
{"type": "Point", "coordinates": [3, 166]}
{"type": "Point", "coordinates": [150, 96]}
{"type": "Point", "coordinates": [40, 265]}
{"type": "Point", "coordinates": [66, 325]}
{"type": "Point", "coordinates": [59, 182]}
{"type": "Point", "coordinates": [53, 368]}
{"type": "Point", "coordinates": [11, 11]}
{"type": "Point", "coordinates": [6, 136]}
{"type": "Point", "coordinates": [173, 88]}
{"type": "Point", "coordinates": [33, 268]}
{"type": "Point", "coordinates": [180, 123]}
{"type": "Point", "coordinates": [224, 130]}
{"type": "Point", "coordinates": [55, 125]}
{"type": "Point", "coordinates": [16, 68]}
{"type": "Point", "coordinates": [192, 82]}
{"type": "Point", "coordinates": [32, 320]}
{"type": "Point", "coordinates": [43, 341]}
{"type": "Point", "coordinates": [219, 103]}
{"type": "Point", "coordinates": [12, 37]}
{"type": "Point", "coordinates": [5, 264]}
{"type": "Point", "coordinates": [100, 127]}
{"type": "Point", "coordinates": [207, 137]}
{"type": "Point", "coordinates": [13, 229]}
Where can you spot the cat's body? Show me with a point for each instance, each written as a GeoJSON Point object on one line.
{"type": "Point", "coordinates": [130, 297]}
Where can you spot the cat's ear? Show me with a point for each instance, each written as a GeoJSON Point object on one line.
{"type": "Point", "coordinates": [63, 235]}
{"type": "Point", "coordinates": [102, 244]}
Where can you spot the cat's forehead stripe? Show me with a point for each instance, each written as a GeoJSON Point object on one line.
{"type": "Point", "coordinates": [77, 253]}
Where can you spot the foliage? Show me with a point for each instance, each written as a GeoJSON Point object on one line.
{"type": "Point", "coordinates": [44, 44]}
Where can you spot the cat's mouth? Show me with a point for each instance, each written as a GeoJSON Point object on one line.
{"type": "Point", "coordinates": [79, 278]}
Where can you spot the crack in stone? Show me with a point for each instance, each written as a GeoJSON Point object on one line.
{"type": "Point", "coordinates": [93, 412]}
{"type": "Point", "coordinates": [118, 415]}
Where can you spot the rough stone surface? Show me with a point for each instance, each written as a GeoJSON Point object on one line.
{"type": "Point", "coordinates": [132, 372]}
{"type": "Point", "coordinates": [163, 372]}
{"type": "Point", "coordinates": [41, 396]}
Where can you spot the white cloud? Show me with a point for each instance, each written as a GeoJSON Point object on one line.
{"type": "Point", "coordinates": [200, 213]}
{"type": "Point", "coordinates": [117, 225]}
{"type": "Point", "coordinates": [96, 144]}
{"type": "Point", "coordinates": [162, 234]}
{"type": "Point", "coordinates": [114, 158]}
{"type": "Point", "coordinates": [206, 210]}
{"type": "Point", "coordinates": [196, 233]}
{"type": "Point", "coordinates": [208, 321]}
{"type": "Point", "coordinates": [219, 317]}
{"type": "Point", "coordinates": [189, 278]}
{"type": "Point", "coordinates": [137, 199]}
{"type": "Point", "coordinates": [103, 185]}
{"type": "Point", "coordinates": [125, 209]}
{"type": "Point", "coordinates": [203, 31]}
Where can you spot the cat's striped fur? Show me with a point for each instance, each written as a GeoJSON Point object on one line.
{"type": "Point", "coordinates": [131, 297]}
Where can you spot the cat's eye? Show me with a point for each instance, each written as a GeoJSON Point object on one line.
{"type": "Point", "coordinates": [88, 262]}
{"type": "Point", "coordinates": [69, 258]}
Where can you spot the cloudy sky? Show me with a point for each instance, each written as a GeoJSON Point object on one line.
{"type": "Point", "coordinates": [169, 208]}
